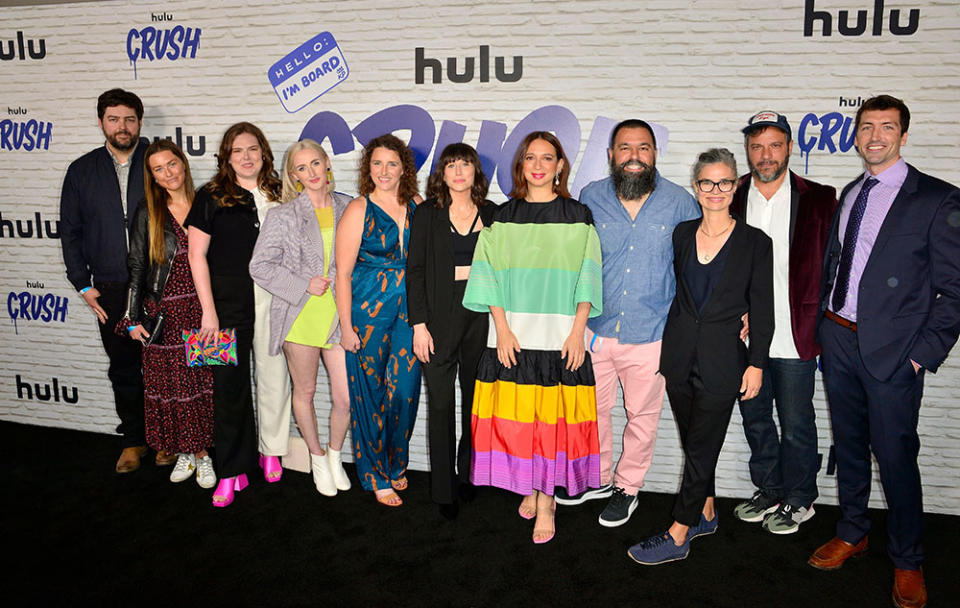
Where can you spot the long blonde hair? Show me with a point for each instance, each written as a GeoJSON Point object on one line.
{"type": "Point", "coordinates": [157, 197]}
{"type": "Point", "coordinates": [290, 190]}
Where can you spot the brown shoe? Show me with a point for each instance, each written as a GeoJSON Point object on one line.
{"type": "Point", "coordinates": [165, 458]}
{"type": "Point", "coordinates": [832, 555]}
{"type": "Point", "coordinates": [909, 590]}
{"type": "Point", "coordinates": [130, 459]}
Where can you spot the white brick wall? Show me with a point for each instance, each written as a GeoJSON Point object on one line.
{"type": "Point", "coordinates": [699, 68]}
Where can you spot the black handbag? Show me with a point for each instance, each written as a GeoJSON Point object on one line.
{"type": "Point", "coordinates": [154, 327]}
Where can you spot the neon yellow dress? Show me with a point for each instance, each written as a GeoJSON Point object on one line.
{"type": "Point", "coordinates": [315, 321]}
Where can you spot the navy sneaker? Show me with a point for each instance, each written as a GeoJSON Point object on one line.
{"type": "Point", "coordinates": [704, 527]}
{"type": "Point", "coordinates": [562, 498]}
{"type": "Point", "coordinates": [659, 549]}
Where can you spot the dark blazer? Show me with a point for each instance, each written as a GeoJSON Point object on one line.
{"type": "Point", "coordinates": [430, 263]}
{"type": "Point", "coordinates": [93, 222]}
{"type": "Point", "coordinates": [147, 279]}
{"type": "Point", "coordinates": [712, 338]}
{"type": "Point", "coordinates": [811, 213]}
{"type": "Point", "coordinates": [909, 299]}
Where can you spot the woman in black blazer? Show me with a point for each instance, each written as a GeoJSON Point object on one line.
{"type": "Point", "coordinates": [724, 269]}
{"type": "Point", "coordinates": [446, 335]}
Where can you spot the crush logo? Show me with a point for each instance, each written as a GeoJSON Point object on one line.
{"type": "Point", "coordinates": [24, 49]}
{"type": "Point", "coordinates": [156, 44]}
{"type": "Point", "coordinates": [307, 72]}
{"type": "Point", "coordinates": [811, 17]}
{"type": "Point", "coordinates": [26, 229]}
{"type": "Point", "coordinates": [44, 307]}
{"type": "Point", "coordinates": [22, 134]}
{"type": "Point", "coordinates": [56, 391]}
{"type": "Point", "coordinates": [494, 146]}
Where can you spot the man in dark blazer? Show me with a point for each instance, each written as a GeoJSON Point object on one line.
{"type": "Point", "coordinates": [99, 199]}
{"type": "Point", "coordinates": [796, 214]}
{"type": "Point", "coordinates": [890, 299]}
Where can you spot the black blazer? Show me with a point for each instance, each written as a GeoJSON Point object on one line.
{"type": "Point", "coordinates": [430, 263]}
{"type": "Point", "coordinates": [909, 302]}
{"type": "Point", "coordinates": [712, 338]}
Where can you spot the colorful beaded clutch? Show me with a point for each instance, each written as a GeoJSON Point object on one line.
{"type": "Point", "coordinates": [221, 351]}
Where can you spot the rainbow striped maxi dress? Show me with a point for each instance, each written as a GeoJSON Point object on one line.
{"type": "Point", "coordinates": [535, 424]}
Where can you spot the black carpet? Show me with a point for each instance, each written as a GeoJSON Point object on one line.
{"type": "Point", "coordinates": [78, 534]}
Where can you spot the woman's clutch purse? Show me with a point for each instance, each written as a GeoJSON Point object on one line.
{"type": "Point", "coordinates": [222, 350]}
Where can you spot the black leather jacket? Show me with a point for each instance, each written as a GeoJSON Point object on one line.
{"type": "Point", "coordinates": [147, 279]}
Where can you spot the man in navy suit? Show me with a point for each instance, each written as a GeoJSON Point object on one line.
{"type": "Point", "coordinates": [890, 299]}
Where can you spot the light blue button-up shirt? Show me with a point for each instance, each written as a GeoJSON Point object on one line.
{"type": "Point", "coordinates": [638, 281]}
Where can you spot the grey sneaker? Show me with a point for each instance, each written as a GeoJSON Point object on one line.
{"type": "Point", "coordinates": [619, 509]}
{"type": "Point", "coordinates": [787, 519]}
{"type": "Point", "coordinates": [756, 508]}
{"type": "Point", "coordinates": [562, 498]}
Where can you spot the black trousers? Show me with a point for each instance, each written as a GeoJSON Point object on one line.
{"type": "Point", "coordinates": [458, 343]}
{"type": "Point", "coordinates": [126, 365]}
{"type": "Point", "coordinates": [870, 415]}
{"type": "Point", "coordinates": [702, 418]}
{"type": "Point", "coordinates": [234, 428]}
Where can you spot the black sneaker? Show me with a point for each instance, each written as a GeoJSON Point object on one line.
{"type": "Point", "coordinates": [619, 509]}
{"type": "Point", "coordinates": [562, 498]}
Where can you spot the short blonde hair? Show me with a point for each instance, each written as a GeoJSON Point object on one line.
{"type": "Point", "coordinates": [290, 191]}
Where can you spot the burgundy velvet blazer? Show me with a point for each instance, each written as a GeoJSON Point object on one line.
{"type": "Point", "coordinates": [811, 212]}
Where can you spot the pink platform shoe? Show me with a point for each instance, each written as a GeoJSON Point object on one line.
{"type": "Point", "coordinates": [226, 489]}
{"type": "Point", "coordinates": [272, 470]}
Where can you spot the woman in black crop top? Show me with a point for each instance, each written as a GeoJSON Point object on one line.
{"type": "Point", "coordinates": [446, 336]}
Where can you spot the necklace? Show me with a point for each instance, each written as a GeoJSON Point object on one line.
{"type": "Point", "coordinates": [721, 233]}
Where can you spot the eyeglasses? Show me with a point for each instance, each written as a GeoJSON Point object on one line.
{"type": "Point", "coordinates": [707, 185]}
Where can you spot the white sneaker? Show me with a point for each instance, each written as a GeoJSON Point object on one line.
{"type": "Point", "coordinates": [184, 468]}
{"type": "Point", "coordinates": [336, 469]}
{"type": "Point", "coordinates": [206, 478]}
{"type": "Point", "coordinates": [321, 475]}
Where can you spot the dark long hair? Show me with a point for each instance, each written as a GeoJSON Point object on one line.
{"type": "Point", "coordinates": [224, 186]}
{"type": "Point", "coordinates": [437, 188]}
{"type": "Point", "coordinates": [520, 182]}
{"type": "Point", "coordinates": [408, 181]}
{"type": "Point", "coordinates": [157, 197]}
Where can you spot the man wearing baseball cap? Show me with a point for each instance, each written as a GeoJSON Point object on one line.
{"type": "Point", "coordinates": [795, 213]}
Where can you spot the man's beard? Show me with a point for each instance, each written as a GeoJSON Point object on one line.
{"type": "Point", "coordinates": [119, 145]}
{"type": "Point", "coordinates": [631, 186]}
{"type": "Point", "coordinates": [770, 177]}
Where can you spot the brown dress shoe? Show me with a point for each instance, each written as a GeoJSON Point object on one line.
{"type": "Point", "coordinates": [832, 555]}
{"type": "Point", "coordinates": [165, 458]}
{"type": "Point", "coordinates": [130, 459]}
{"type": "Point", "coordinates": [909, 590]}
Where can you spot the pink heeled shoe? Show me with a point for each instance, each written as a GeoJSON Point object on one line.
{"type": "Point", "coordinates": [272, 470]}
{"type": "Point", "coordinates": [226, 488]}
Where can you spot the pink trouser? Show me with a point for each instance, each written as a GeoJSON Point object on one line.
{"type": "Point", "coordinates": [635, 366]}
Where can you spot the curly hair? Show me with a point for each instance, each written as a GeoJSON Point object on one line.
{"type": "Point", "coordinates": [156, 196]}
{"type": "Point", "coordinates": [520, 182]}
{"type": "Point", "coordinates": [290, 191]}
{"type": "Point", "coordinates": [224, 185]}
{"type": "Point", "coordinates": [408, 180]}
{"type": "Point", "coordinates": [436, 186]}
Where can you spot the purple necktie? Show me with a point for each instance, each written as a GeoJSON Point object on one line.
{"type": "Point", "coordinates": [850, 244]}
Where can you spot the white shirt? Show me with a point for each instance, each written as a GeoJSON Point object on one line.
{"type": "Point", "coordinates": [773, 217]}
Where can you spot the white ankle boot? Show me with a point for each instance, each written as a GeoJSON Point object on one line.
{"type": "Point", "coordinates": [336, 469]}
{"type": "Point", "coordinates": [321, 475]}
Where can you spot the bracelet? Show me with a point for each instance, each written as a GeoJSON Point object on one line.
{"type": "Point", "coordinates": [85, 290]}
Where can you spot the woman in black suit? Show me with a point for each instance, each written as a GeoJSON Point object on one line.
{"type": "Point", "coordinates": [447, 336]}
{"type": "Point", "coordinates": [724, 269]}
